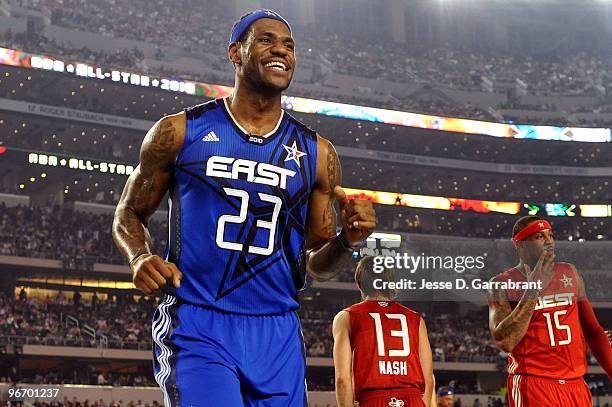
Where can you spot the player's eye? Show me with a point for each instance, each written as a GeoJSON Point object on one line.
{"type": "Point", "coordinates": [266, 40]}
{"type": "Point", "coordinates": [290, 45]}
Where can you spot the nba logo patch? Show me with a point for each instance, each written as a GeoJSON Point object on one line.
{"type": "Point", "coordinates": [383, 303]}
{"type": "Point", "coordinates": [396, 403]}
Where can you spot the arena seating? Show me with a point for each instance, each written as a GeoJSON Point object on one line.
{"type": "Point", "coordinates": [80, 238]}
{"type": "Point", "coordinates": [577, 74]}
{"type": "Point", "coordinates": [149, 104]}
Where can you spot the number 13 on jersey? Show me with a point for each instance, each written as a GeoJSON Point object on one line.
{"type": "Point", "coordinates": [395, 367]}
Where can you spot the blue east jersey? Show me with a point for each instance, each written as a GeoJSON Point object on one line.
{"type": "Point", "coordinates": [237, 212]}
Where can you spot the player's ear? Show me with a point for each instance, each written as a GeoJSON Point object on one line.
{"type": "Point", "coordinates": [234, 53]}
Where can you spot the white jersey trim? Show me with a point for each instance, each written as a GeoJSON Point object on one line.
{"type": "Point", "coordinates": [280, 120]}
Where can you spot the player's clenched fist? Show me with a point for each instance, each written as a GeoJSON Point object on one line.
{"type": "Point", "coordinates": [151, 272]}
{"type": "Point", "coordinates": [358, 217]}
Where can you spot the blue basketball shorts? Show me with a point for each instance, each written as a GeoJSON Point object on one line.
{"type": "Point", "coordinates": [204, 357]}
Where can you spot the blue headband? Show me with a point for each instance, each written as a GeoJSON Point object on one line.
{"type": "Point", "coordinates": [447, 392]}
{"type": "Point", "coordinates": [246, 22]}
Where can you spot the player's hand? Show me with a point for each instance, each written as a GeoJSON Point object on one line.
{"type": "Point", "coordinates": [544, 268]}
{"type": "Point", "coordinates": [152, 273]}
{"type": "Point", "coordinates": [358, 217]}
{"type": "Point", "coordinates": [609, 333]}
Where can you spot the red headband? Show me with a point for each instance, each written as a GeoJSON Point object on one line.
{"type": "Point", "coordinates": [533, 227]}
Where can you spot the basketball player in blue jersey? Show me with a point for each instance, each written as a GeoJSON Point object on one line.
{"type": "Point", "coordinates": [251, 195]}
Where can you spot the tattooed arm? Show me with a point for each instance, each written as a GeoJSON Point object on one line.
{"type": "Point", "coordinates": [508, 326]}
{"type": "Point", "coordinates": [142, 193]}
{"type": "Point", "coordinates": [328, 253]}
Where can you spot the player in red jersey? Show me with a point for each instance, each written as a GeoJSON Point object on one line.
{"type": "Point", "coordinates": [544, 328]}
{"type": "Point", "coordinates": [382, 355]}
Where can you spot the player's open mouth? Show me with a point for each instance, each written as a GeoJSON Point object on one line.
{"type": "Point", "coordinates": [277, 66]}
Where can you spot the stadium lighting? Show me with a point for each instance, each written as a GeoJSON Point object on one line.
{"type": "Point", "coordinates": [21, 186]}
{"type": "Point", "coordinates": [43, 175]}
{"type": "Point", "coordinates": [32, 179]}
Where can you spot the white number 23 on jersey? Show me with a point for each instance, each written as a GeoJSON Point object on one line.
{"type": "Point", "coordinates": [241, 217]}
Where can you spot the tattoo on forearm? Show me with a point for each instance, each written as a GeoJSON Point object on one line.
{"type": "Point", "coordinates": [333, 176]}
{"type": "Point", "coordinates": [329, 215]}
{"type": "Point", "coordinates": [130, 234]}
{"type": "Point", "coordinates": [512, 329]}
{"type": "Point", "coordinates": [332, 169]}
{"type": "Point", "coordinates": [144, 189]}
{"type": "Point", "coordinates": [330, 258]}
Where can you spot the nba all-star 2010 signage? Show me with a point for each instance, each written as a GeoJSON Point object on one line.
{"type": "Point", "coordinates": [76, 163]}
{"type": "Point", "coordinates": [380, 197]}
{"type": "Point", "coordinates": [304, 105]}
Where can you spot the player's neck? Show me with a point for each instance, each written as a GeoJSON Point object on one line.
{"type": "Point", "coordinates": [257, 113]}
{"type": "Point", "coordinates": [377, 298]}
{"type": "Point", "coordinates": [521, 266]}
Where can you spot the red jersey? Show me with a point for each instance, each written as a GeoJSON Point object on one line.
{"type": "Point", "coordinates": [553, 346]}
{"type": "Point", "coordinates": [385, 342]}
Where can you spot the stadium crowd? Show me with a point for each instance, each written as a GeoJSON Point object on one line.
{"type": "Point", "coordinates": [199, 32]}
{"type": "Point", "coordinates": [74, 402]}
{"type": "Point", "coordinates": [25, 318]}
{"type": "Point", "coordinates": [117, 321]}
{"type": "Point", "coordinates": [454, 222]}
{"type": "Point", "coordinates": [79, 239]}
{"type": "Point", "coordinates": [443, 67]}
{"type": "Point", "coordinates": [77, 377]}
{"type": "Point", "coordinates": [66, 319]}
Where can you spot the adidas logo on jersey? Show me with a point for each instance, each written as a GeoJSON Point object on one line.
{"type": "Point", "coordinates": [210, 137]}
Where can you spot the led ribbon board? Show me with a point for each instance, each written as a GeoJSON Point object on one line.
{"type": "Point", "coordinates": [304, 105]}
{"type": "Point", "coordinates": [20, 156]}
{"type": "Point", "coordinates": [474, 205]}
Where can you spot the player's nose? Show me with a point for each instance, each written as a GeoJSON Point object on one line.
{"type": "Point", "coordinates": [279, 49]}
